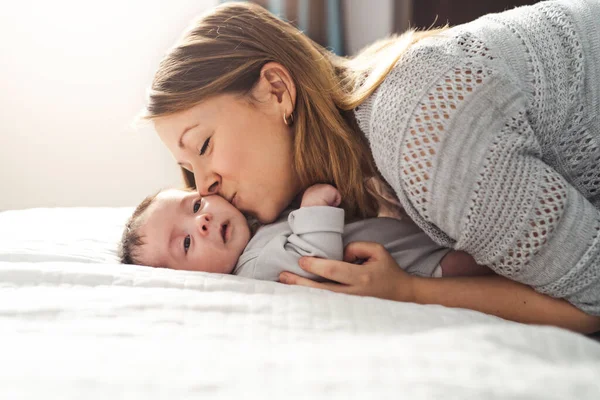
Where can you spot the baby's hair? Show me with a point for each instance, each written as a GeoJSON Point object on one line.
{"type": "Point", "coordinates": [132, 240]}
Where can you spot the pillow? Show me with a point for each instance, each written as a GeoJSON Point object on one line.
{"type": "Point", "coordinates": [81, 234]}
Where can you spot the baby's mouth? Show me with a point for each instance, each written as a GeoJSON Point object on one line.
{"type": "Point", "coordinates": [224, 229]}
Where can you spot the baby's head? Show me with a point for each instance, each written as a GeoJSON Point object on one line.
{"type": "Point", "coordinates": [178, 229]}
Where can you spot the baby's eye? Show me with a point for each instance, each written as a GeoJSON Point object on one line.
{"type": "Point", "coordinates": [197, 206]}
{"type": "Point", "coordinates": [186, 244]}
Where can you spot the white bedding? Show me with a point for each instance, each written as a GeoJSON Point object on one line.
{"type": "Point", "coordinates": [80, 234]}
{"type": "Point", "coordinates": [100, 330]}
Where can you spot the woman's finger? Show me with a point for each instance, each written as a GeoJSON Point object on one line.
{"type": "Point", "coordinates": [363, 251]}
{"type": "Point", "coordinates": [338, 271]}
{"type": "Point", "coordinates": [292, 279]}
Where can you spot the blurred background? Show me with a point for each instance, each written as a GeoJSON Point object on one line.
{"type": "Point", "coordinates": [73, 75]}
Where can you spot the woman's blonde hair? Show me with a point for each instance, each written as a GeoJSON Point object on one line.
{"type": "Point", "coordinates": [224, 51]}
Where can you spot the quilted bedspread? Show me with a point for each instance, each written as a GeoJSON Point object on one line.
{"type": "Point", "coordinates": [71, 331]}
{"type": "Point", "coordinates": [74, 324]}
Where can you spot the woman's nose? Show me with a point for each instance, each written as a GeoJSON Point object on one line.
{"type": "Point", "coordinates": [208, 185]}
{"type": "Point", "coordinates": [203, 224]}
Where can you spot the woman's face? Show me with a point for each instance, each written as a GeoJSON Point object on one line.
{"type": "Point", "coordinates": [237, 149]}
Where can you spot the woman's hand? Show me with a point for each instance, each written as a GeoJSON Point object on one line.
{"type": "Point", "coordinates": [378, 276]}
{"type": "Point", "coordinates": [381, 277]}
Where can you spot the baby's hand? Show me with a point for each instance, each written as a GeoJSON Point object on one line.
{"type": "Point", "coordinates": [321, 195]}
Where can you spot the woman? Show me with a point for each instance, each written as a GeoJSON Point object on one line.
{"type": "Point", "coordinates": [487, 133]}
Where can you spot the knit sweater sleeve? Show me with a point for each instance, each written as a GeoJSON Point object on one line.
{"type": "Point", "coordinates": [467, 165]}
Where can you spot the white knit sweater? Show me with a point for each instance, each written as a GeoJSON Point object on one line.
{"type": "Point", "coordinates": [490, 136]}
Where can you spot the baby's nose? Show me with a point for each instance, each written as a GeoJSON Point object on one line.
{"type": "Point", "coordinates": [203, 223]}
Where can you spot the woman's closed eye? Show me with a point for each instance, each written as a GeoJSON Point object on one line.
{"type": "Point", "coordinates": [205, 146]}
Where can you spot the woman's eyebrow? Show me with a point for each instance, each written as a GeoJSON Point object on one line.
{"type": "Point", "coordinates": [186, 130]}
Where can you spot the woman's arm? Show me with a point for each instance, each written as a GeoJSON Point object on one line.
{"type": "Point", "coordinates": [504, 298]}
{"type": "Point", "coordinates": [380, 276]}
{"type": "Point", "coordinates": [469, 168]}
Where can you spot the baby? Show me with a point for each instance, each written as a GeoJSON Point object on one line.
{"type": "Point", "coordinates": [178, 229]}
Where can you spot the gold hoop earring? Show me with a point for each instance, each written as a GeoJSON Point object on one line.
{"type": "Point", "coordinates": [290, 121]}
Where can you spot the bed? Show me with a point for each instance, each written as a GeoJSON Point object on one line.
{"type": "Point", "coordinates": [76, 324]}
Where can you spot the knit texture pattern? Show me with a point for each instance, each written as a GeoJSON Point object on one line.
{"type": "Point", "coordinates": [490, 135]}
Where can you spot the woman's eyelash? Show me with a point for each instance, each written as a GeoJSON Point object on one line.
{"type": "Point", "coordinates": [204, 147]}
{"type": "Point", "coordinates": [197, 206]}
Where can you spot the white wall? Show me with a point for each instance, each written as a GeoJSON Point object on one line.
{"type": "Point", "coordinates": [73, 74]}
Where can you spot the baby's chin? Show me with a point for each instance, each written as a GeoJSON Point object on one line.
{"type": "Point", "coordinates": [230, 268]}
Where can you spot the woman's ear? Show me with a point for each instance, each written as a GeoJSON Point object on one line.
{"type": "Point", "coordinates": [276, 83]}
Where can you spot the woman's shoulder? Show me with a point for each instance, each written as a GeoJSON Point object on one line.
{"type": "Point", "coordinates": [439, 65]}
{"type": "Point", "coordinates": [421, 65]}
{"type": "Point", "coordinates": [426, 61]}
{"type": "Point", "coordinates": [435, 85]}
{"type": "Point", "coordinates": [418, 68]}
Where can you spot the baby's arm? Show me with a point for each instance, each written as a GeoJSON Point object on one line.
{"type": "Point", "coordinates": [459, 263]}
{"type": "Point", "coordinates": [316, 231]}
{"type": "Point", "coordinates": [317, 226]}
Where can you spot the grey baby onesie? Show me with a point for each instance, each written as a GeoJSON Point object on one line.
{"type": "Point", "coordinates": [320, 232]}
